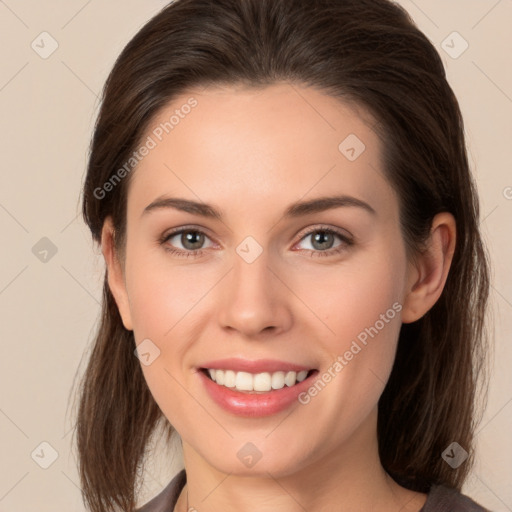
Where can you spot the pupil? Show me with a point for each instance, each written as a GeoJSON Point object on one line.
{"type": "Point", "coordinates": [192, 237]}
{"type": "Point", "coordinates": [320, 237]}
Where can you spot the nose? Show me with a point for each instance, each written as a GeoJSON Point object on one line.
{"type": "Point", "coordinates": [254, 299]}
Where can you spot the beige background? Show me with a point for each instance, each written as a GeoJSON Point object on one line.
{"type": "Point", "coordinates": [48, 309]}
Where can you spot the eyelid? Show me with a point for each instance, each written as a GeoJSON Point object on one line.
{"type": "Point", "coordinates": [324, 227]}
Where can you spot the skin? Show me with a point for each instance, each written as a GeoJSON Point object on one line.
{"type": "Point", "coordinates": [251, 153]}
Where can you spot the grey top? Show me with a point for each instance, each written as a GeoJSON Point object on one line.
{"type": "Point", "coordinates": [439, 499]}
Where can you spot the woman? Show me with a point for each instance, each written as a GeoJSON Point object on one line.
{"type": "Point", "coordinates": [296, 283]}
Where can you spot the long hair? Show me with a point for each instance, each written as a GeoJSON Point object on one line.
{"type": "Point", "coordinates": [369, 53]}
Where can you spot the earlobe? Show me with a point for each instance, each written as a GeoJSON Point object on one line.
{"type": "Point", "coordinates": [427, 276]}
{"type": "Point", "coordinates": [115, 273]}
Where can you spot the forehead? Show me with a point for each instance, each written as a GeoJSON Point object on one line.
{"type": "Point", "coordinates": [237, 145]}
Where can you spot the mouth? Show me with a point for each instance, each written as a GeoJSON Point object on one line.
{"type": "Point", "coordinates": [256, 383]}
{"type": "Point", "coordinates": [255, 388]}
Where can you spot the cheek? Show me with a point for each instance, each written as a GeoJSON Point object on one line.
{"type": "Point", "coordinates": [361, 305]}
{"type": "Point", "coordinates": [373, 319]}
{"type": "Point", "coordinates": [163, 300]}
{"type": "Point", "coordinates": [161, 295]}
{"type": "Point", "coordinates": [353, 297]}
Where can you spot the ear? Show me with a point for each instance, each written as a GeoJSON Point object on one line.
{"type": "Point", "coordinates": [115, 273]}
{"type": "Point", "coordinates": [427, 275]}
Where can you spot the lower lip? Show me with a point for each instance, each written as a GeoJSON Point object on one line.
{"type": "Point", "coordinates": [255, 404]}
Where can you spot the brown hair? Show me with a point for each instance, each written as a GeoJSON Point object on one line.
{"type": "Point", "coordinates": [370, 53]}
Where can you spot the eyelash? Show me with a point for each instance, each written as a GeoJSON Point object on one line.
{"type": "Point", "coordinates": [346, 242]}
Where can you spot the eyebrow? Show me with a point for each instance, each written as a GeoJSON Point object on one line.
{"type": "Point", "coordinates": [298, 209]}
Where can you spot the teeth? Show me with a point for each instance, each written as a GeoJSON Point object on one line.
{"type": "Point", "coordinates": [302, 375]}
{"type": "Point", "coordinates": [262, 382]}
{"type": "Point", "coordinates": [277, 380]}
{"type": "Point", "coordinates": [219, 377]}
{"type": "Point", "coordinates": [229, 378]}
{"type": "Point", "coordinates": [244, 381]}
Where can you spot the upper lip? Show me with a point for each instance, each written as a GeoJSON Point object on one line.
{"type": "Point", "coordinates": [254, 366]}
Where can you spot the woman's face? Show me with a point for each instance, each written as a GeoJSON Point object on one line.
{"type": "Point", "coordinates": [278, 277]}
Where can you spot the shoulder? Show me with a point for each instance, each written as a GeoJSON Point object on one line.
{"type": "Point", "coordinates": [445, 499]}
{"type": "Point", "coordinates": [167, 498]}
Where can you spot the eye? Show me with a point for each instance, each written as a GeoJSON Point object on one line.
{"type": "Point", "coordinates": [190, 239]}
{"type": "Point", "coordinates": [323, 240]}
